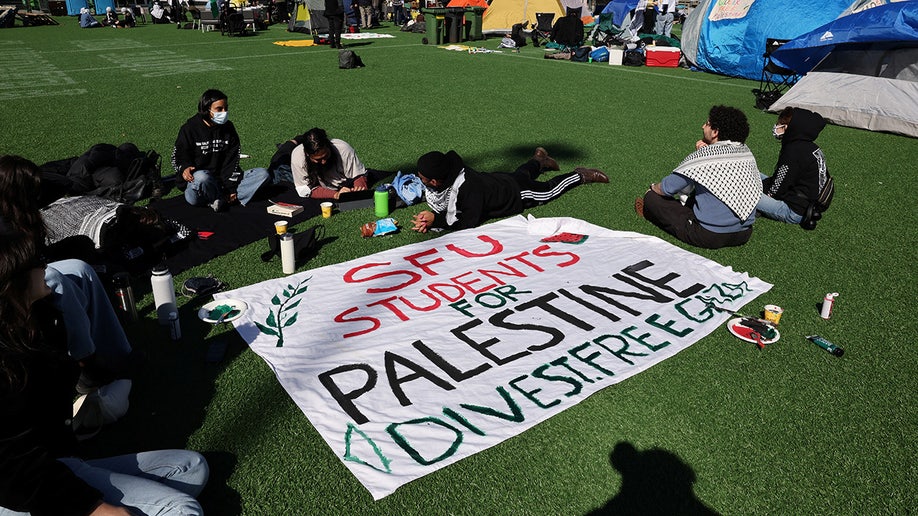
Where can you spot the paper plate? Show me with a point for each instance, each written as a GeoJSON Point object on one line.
{"type": "Point", "coordinates": [211, 312]}
{"type": "Point", "coordinates": [743, 332]}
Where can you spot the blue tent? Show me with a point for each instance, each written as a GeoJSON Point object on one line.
{"type": "Point", "coordinates": [886, 25]}
{"type": "Point", "coordinates": [729, 37]}
{"type": "Point", "coordinates": [619, 10]}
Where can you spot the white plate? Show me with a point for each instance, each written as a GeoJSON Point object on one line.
{"type": "Point", "coordinates": [236, 305]}
{"type": "Point", "coordinates": [742, 332]}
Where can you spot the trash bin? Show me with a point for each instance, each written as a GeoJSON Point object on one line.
{"type": "Point", "coordinates": [453, 30]}
{"type": "Point", "coordinates": [434, 18]}
{"type": "Point", "coordinates": [473, 16]}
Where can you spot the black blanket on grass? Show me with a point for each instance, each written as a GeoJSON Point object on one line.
{"type": "Point", "coordinates": [231, 229]}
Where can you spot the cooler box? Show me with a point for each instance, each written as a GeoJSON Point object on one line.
{"type": "Point", "coordinates": [667, 57]}
{"type": "Point", "coordinates": [616, 55]}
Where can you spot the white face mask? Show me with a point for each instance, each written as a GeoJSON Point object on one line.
{"type": "Point", "coordinates": [220, 118]}
{"type": "Point", "coordinates": [775, 133]}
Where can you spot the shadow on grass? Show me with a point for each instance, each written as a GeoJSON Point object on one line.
{"type": "Point", "coordinates": [654, 482]}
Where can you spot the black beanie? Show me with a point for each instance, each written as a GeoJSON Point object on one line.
{"type": "Point", "coordinates": [439, 166]}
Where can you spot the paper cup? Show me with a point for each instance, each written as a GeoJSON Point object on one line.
{"type": "Point", "coordinates": [326, 209]}
{"type": "Point", "coordinates": [773, 313]}
{"type": "Point", "coordinates": [280, 227]}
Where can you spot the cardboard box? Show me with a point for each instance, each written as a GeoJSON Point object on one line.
{"type": "Point", "coordinates": [667, 57]}
{"type": "Point", "coordinates": [285, 209]}
{"type": "Point", "coordinates": [616, 55]}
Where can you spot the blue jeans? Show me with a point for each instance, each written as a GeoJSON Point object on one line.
{"type": "Point", "coordinates": [205, 188]}
{"type": "Point", "coordinates": [89, 319]}
{"type": "Point", "coordinates": [162, 482]}
{"type": "Point", "coordinates": [777, 210]}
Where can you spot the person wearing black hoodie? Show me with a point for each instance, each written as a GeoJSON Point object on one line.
{"type": "Point", "coordinates": [206, 158]}
{"type": "Point", "coordinates": [801, 170]}
{"type": "Point", "coordinates": [461, 198]}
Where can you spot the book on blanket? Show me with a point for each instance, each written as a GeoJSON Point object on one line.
{"type": "Point", "coordinates": [284, 209]}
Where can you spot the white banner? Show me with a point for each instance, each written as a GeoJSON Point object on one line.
{"type": "Point", "coordinates": [411, 359]}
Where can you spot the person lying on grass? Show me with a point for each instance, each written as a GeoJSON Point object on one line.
{"type": "Point", "coordinates": [460, 197]}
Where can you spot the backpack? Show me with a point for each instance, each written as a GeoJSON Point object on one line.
{"type": "Point", "coordinates": [141, 181]}
{"type": "Point", "coordinates": [815, 210]}
{"type": "Point", "coordinates": [348, 59]}
{"type": "Point", "coordinates": [581, 54]}
{"type": "Point", "coordinates": [633, 58]}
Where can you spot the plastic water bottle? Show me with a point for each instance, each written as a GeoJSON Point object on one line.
{"type": "Point", "coordinates": [163, 293]}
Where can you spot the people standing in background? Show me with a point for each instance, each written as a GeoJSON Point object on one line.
{"type": "Point", "coordinates": [334, 12]}
{"type": "Point", "coordinates": [665, 18]}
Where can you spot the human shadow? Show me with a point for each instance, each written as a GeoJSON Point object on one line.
{"type": "Point", "coordinates": [654, 482]}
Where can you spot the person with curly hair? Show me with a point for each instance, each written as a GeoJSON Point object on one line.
{"type": "Point", "coordinates": [709, 200]}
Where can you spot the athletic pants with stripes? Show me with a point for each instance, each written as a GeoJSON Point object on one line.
{"type": "Point", "coordinates": [535, 192]}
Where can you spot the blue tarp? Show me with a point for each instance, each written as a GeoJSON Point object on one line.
{"type": "Point", "coordinates": [896, 22]}
{"type": "Point", "coordinates": [734, 45]}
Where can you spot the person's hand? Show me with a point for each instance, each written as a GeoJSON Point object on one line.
{"type": "Point", "coordinates": [105, 509]}
{"type": "Point", "coordinates": [188, 174]}
{"type": "Point", "coordinates": [233, 197]}
{"type": "Point", "coordinates": [699, 144]}
{"type": "Point", "coordinates": [358, 188]}
{"type": "Point", "coordinates": [422, 221]}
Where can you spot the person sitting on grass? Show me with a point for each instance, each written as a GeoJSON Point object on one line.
{"type": "Point", "coordinates": [324, 168]}
{"type": "Point", "coordinates": [460, 197]}
{"type": "Point", "coordinates": [39, 472]}
{"type": "Point", "coordinates": [86, 20]}
{"type": "Point", "coordinates": [206, 158]}
{"type": "Point", "coordinates": [801, 171]}
{"type": "Point", "coordinates": [95, 339]}
{"type": "Point", "coordinates": [709, 199]}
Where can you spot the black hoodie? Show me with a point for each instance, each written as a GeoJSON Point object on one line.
{"type": "Point", "coordinates": [801, 170]}
{"type": "Point", "coordinates": [214, 148]}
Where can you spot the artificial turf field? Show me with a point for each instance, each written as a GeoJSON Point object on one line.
{"type": "Point", "coordinates": [721, 426]}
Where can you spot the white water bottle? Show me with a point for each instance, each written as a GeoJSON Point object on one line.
{"type": "Point", "coordinates": [163, 293]}
{"type": "Point", "coordinates": [288, 258]}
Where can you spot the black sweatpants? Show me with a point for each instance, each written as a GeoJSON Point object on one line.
{"type": "Point", "coordinates": [535, 192]}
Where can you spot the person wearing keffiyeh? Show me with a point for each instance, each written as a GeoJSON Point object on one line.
{"type": "Point", "coordinates": [709, 200]}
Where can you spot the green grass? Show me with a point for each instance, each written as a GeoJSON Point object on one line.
{"type": "Point", "coordinates": [787, 430]}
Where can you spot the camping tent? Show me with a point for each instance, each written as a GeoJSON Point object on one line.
{"type": "Point", "coordinates": [586, 15]}
{"type": "Point", "coordinates": [729, 37]}
{"type": "Point", "coordinates": [861, 70]}
{"type": "Point", "coordinates": [502, 14]}
{"type": "Point", "coordinates": [621, 10]}
{"type": "Point", "coordinates": [308, 16]}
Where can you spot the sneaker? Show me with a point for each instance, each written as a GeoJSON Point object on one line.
{"type": "Point", "coordinates": [218, 205]}
{"type": "Point", "coordinates": [591, 175]}
{"type": "Point", "coordinates": [639, 206]}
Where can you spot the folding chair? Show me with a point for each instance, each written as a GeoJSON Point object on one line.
{"type": "Point", "coordinates": [140, 13]}
{"type": "Point", "coordinates": [775, 79]}
{"type": "Point", "coordinates": [195, 19]}
{"type": "Point", "coordinates": [543, 25]}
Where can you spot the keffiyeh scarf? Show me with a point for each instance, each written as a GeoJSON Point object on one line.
{"type": "Point", "coordinates": [444, 201]}
{"type": "Point", "coordinates": [729, 171]}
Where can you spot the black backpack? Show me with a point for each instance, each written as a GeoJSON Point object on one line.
{"type": "Point", "coordinates": [633, 58]}
{"type": "Point", "coordinates": [348, 59]}
{"type": "Point", "coordinates": [815, 210]}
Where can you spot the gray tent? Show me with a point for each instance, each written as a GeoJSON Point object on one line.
{"type": "Point", "coordinates": [308, 16]}
{"type": "Point", "coordinates": [865, 73]}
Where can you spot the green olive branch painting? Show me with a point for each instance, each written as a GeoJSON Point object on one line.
{"type": "Point", "coordinates": [282, 318]}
